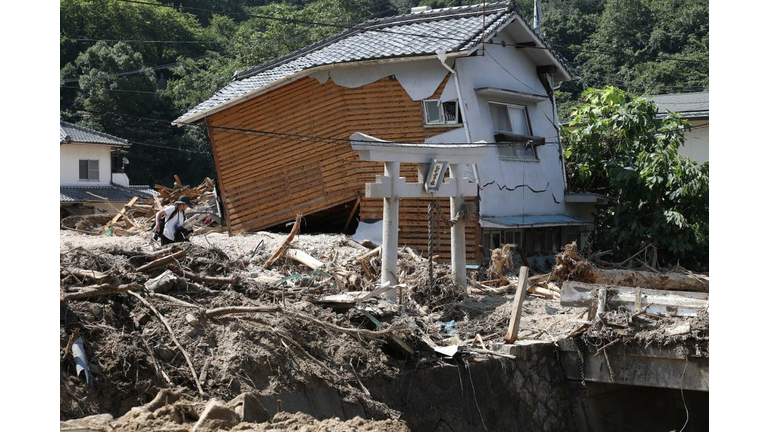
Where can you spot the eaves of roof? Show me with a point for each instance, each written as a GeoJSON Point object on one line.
{"type": "Point", "coordinates": [70, 133]}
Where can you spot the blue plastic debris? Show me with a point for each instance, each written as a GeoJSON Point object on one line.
{"type": "Point", "coordinates": [448, 327]}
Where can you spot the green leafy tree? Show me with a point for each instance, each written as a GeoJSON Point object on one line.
{"type": "Point", "coordinates": [616, 146]}
{"type": "Point", "coordinates": [649, 46]}
{"type": "Point", "coordinates": [116, 92]}
{"type": "Point", "coordinates": [116, 20]}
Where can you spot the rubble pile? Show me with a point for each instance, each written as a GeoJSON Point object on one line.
{"type": "Point", "coordinates": [139, 214]}
{"type": "Point", "coordinates": [155, 336]}
{"type": "Point", "coordinates": [213, 320]}
{"type": "Point", "coordinates": [639, 307]}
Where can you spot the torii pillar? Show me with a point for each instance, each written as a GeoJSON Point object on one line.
{"type": "Point", "coordinates": [391, 187]}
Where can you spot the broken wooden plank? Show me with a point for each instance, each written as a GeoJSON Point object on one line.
{"type": "Point", "coordinates": [679, 303]}
{"type": "Point", "coordinates": [122, 211]}
{"type": "Point", "coordinates": [304, 258]}
{"type": "Point", "coordinates": [352, 213]}
{"type": "Point", "coordinates": [517, 306]}
{"type": "Point", "coordinates": [367, 255]}
{"type": "Point", "coordinates": [281, 249]}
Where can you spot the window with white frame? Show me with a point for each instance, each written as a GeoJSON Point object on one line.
{"type": "Point", "coordinates": [511, 125]}
{"type": "Point", "coordinates": [441, 113]}
{"type": "Point", "coordinates": [89, 170]}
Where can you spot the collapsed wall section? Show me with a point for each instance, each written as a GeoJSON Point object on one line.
{"type": "Point", "coordinates": [288, 152]}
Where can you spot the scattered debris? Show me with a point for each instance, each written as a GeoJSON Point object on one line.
{"type": "Point", "coordinates": [138, 215]}
{"type": "Point", "coordinates": [208, 315]}
{"type": "Point", "coordinates": [636, 313]}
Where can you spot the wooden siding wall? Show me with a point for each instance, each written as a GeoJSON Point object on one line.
{"type": "Point", "coordinates": [267, 178]}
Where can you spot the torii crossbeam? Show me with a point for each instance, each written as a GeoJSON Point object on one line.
{"type": "Point", "coordinates": [391, 187]}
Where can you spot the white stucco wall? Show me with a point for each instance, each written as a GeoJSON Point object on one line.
{"type": "Point", "coordinates": [69, 160]}
{"type": "Point", "coordinates": [697, 142]}
{"type": "Point", "coordinates": [512, 187]}
{"type": "Point", "coordinates": [508, 188]}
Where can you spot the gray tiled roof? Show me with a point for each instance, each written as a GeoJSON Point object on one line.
{"type": "Point", "coordinates": [422, 33]}
{"type": "Point", "coordinates": [687, 104]}
{"type": "Point", "coordinates": [72, 133]}
{"type": "Point", "coordinates": [113, 193]}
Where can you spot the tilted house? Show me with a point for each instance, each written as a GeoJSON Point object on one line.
{"type": "Point", "coordinates": [280, 131]}
{"type": "Point", "coordinates": [88, 183]}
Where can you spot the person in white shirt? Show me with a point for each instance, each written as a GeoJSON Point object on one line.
{"type": "Point", "coordinates": [169, 222]}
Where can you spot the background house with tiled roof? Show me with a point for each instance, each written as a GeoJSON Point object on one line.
{"type": "Point", "coordinates": [88, 182]}
{"type": "Point", "coordinates": [280, 131]}
{"type": "Point", "coordinates": [693, 107]}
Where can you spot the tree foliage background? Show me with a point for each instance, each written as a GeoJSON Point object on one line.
{"type": "Point", "coordinates": [129, 67]}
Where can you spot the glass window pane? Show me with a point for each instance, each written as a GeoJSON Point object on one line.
{"type": "Point", "coordinates": [432, 112]}
{"type": "Point", "coordinates": [500, 118]}
{"type": "Point", "coordinates": [93, 170]}
{"type": "Point", "coordinates": [83, 170]}
{"type": "Point", "coordinates": [519, 121]}
{"type": "Point", "coordinates": [516, 150]}
{"type": "Point", "coordinates": [449, 110]}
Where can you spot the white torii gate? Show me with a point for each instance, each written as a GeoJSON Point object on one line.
{"type": "Point", "coordinates": [391, 187]}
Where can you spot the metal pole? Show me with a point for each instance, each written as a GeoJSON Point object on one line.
{"type": "Point", "coordinates": [389, 232]}
{"type": "Point", "coordinates": [458, 240]}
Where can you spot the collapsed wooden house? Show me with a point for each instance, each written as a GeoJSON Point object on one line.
{"type": "Point", "coordinates": [280, 131]}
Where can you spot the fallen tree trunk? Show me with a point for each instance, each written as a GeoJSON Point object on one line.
{"type": "Point", "coordinates": [572, 267]}
{"type": "Point", "coordinates": [94, 275]}
{"type": "Point", "coordinates": [100, 290]}
{"type": "Point", "coordinates": [162, 261]}
{"type": "Point", "coordinates": [212, 280]}
{"type": "Point", "coordinates": [634, 299]}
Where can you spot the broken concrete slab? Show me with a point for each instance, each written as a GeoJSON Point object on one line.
{"type": "Point", "coordinates": [652, 366]}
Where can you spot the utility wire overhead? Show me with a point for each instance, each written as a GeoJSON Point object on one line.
{"type": "Point", "coordinates": [299, 21]}
{"type": "Point", "coordinates": [287, 135]}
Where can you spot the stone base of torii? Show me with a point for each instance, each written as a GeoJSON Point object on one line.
{"type": "Point", "coordinates": [391, 187]}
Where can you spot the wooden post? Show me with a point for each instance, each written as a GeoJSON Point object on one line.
{"type": "Point", "coordinates": [352, 213]}
{"type": "Point", "coordinates": [517, 306]}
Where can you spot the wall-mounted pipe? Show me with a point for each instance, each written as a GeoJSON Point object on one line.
{"type": "Point", "coordinates": [442, 56]}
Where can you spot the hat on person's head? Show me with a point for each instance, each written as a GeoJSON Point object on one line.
{"type": "Point", "coordinates": [185, 200]}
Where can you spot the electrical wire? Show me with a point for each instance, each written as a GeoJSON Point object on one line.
{"type": "Point", "coordinates": [293, 136]}
{"type": "Point", "coordinates": [137, 71]}
{"type": "Point", "coordinates": [299, 21]}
